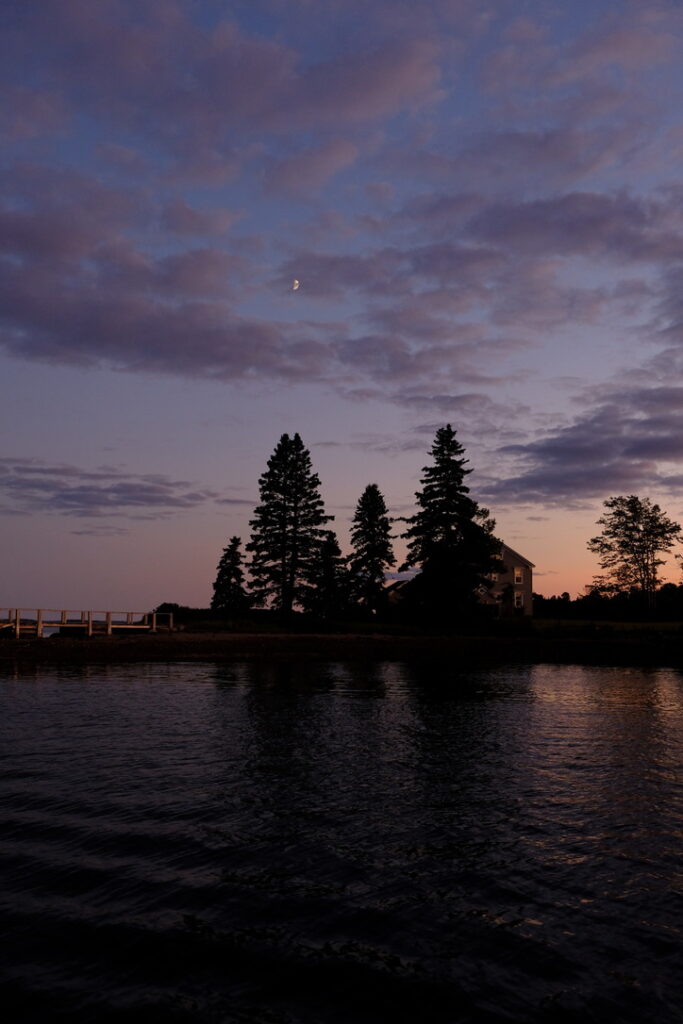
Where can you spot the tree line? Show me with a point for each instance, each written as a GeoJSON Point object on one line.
{"type": "Point", "coordinates": [294, 561]}
{"type": "Point", "coordinates": [665, 605]}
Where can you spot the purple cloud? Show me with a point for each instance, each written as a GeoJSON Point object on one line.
{"type": "Point", "coordinates": [29, 113]}
{"type": "Point", "coordinates": [618, 45]}
{"type": "Point", "coordinates": [621, 227]}
{"type": "Point", "coordinates": [309, 169]}
{"type": "Point", "coordinates": [119, 63]}
{"type": "Point", "coordinates": [180, 218]}
{"type": "Point", "coordinates": [618, 446]}
{"type": "Point", "coordinates": [32, 486]}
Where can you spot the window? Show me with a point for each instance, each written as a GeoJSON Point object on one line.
{"type": "Point", "coordinates": [519, 574]}
{"type": "Point", "coordinates": [519, 600]}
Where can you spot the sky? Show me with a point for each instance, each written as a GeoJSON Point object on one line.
{"type": "Point", "coordinates": [483, 205]}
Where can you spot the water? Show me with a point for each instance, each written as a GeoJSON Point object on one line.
{"type": "Point", "coordinates": [330, 843]}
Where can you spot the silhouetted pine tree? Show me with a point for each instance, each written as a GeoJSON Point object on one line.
{"type": "Point", "coordinates": [325, 592]}
{"type": "Point", "coordinates": [286, 528]}
{"type": "Point", "coordinates": [372, 553]}
{"type": "Point", "coordinates": [450, 538]}
{"type": "Point", "coordinates": [229, 594]}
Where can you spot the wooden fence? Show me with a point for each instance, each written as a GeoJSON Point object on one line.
{"type": "Point", "coordinates": [34, 621]}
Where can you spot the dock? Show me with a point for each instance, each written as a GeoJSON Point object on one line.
{"type": "Point", "coordinates": [32, 622]}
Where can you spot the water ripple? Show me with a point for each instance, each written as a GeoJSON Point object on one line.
{"type": "Point", "coordinates": [332, 843]}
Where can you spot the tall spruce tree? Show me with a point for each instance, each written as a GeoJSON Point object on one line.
{"type": "Point", "coordinates": [450, 538]}
{"type": "Point", "coordinates": [287, 527]}
{"type": "Point", "coordinates": [372, 553]}
{"type": "Point", "coordinates": [229, 594]}
{"type": "Point", "coordinates": [325, 592]}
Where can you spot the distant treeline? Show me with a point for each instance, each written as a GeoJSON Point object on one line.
{"type": "Point", "coordinates": [665, 606]}
{"type": "Point", "coordinates": [594, 607]}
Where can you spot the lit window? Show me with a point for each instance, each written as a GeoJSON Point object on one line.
{"type": "Point", "coordinates": [519, 574]}
{"type": "Point", "coordinates": [519, 600]}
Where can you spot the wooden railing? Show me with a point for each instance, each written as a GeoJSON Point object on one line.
{"type": "Point", "coordinates": [34, 621]}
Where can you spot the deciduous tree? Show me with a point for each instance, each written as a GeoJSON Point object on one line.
{"type": "Point", "coordinates": [635, 534]}
{"type": "Point", "coordinates": [287, 527]}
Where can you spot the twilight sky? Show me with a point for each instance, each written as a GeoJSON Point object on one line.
{"type": "Point", "coordinates": [483, 203]}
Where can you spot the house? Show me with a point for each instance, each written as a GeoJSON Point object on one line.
{"type": "Point", "coordinates": [512, 590]}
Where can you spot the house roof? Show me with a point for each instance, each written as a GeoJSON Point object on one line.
{"type": "Point", "coordinates": [395, 585]}
{"type": "Point", "coordinates": [506, 547]}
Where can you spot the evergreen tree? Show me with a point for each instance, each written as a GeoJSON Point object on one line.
{"type": "Point", "coordinates": [372, 553]}
{"type": "Point", "coordinates": [229, 594]}
{"type": "Point", "coordinates": [450, 538]}
{"type": "Point", "coordinates": [325, 593]}
{"type": "Point", "coordinates": [286, 528]}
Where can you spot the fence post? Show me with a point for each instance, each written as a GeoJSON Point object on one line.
{"type": "Point", "coordinates": [17, 622]}
{"type": "Point", "coordinates": [108, 623]}
{"type": "Point", "coordinates": [39, 623]}
{"type": "Point", "coordinates": [89, 623]}
{"type": "Point", "coordinates": [154, 622]}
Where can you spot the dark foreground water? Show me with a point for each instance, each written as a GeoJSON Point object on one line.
{"type": "Point", "coordinates": [336, 843]}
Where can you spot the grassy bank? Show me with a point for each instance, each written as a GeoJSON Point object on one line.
{"type": "Point", "coordinates": [567, 642]}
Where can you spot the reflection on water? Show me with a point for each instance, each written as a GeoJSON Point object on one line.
{"type": "Point", "coordinates": [314, 843]}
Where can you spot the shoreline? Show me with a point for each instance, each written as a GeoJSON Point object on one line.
{"type": "Point", "coordinates": [225, 647]}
